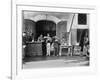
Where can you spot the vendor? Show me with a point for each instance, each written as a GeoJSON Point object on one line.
{"type": "Point", "coordinates": [40, 38]}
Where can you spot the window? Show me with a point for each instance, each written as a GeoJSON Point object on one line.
{"type": "Point", "coordinates": [82, 19]}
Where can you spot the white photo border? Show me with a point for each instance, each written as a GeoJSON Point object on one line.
{"type": "Point", "coordinates": [18, 72]}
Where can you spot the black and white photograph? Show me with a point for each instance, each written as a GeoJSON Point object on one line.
{"type": "Point", "coordinates": [55, 39]}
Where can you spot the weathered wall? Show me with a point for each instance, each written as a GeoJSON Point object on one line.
{"type": "Point", "coordinates": [61, 28]}
{"type": "Point", "coordinates": [76, 26]}
{"type": "Point", "coordinates": [29, 26]}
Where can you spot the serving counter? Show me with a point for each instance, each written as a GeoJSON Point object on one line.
{"type": "Point", "coordinates": [34, 49]}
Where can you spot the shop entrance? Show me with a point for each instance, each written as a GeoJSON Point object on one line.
{"type": "Point", "coordinates": [45, 27]}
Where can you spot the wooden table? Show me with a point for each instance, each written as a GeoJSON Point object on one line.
{"type": "Point", "coordinates": [69, 47]}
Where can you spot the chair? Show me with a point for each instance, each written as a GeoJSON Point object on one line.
{"type": "Point", "coordinates": [76, 50]}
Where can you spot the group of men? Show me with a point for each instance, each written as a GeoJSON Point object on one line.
{"type": "Point", "coordinates": [50, 45]}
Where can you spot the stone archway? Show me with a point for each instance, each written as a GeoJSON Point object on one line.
{"type": "Point", "coordinates": [59, 23]}
{"type": "Point", "coordinates": [43, 17]}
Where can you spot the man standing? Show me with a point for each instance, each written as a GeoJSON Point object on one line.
{"type": "Point", "coordinates": [48, 46]}
{"type": "Point", "coordinates": [56, 46]}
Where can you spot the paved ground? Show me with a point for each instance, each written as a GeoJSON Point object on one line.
{"type": "Point", "coordinates": [55, 61]}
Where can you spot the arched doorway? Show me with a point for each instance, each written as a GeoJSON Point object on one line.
{"type": "Point", "coordinates": [44, 27]}
{"type": "Point", "coordinates": [61, 29]}
{"type": "Point", "coordinates": [29, 28]}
